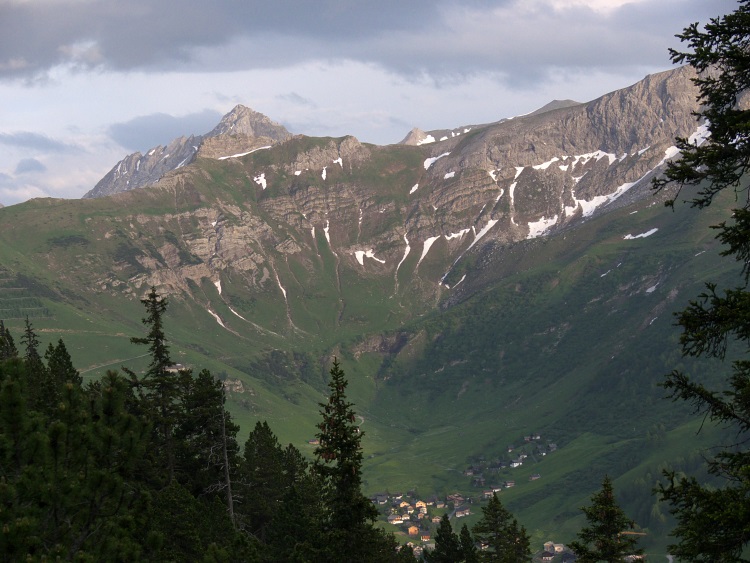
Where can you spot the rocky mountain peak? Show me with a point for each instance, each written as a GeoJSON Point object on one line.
{"type": "Point", "coordinates": [243, 120]}
{"type": "Point", "coordinates": [240, 130]}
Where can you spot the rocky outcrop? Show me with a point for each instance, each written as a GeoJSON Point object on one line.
{"type": "Point", "coordinates": [403, 214]}
{"type": "Point", "coordinates": [239, 131]}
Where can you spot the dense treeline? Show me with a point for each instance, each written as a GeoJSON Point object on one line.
{"type": "Point", "coordinates": [147, 468]}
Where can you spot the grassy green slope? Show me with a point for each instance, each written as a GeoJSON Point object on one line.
{"type": "Point", "coordinates": [569, 338]}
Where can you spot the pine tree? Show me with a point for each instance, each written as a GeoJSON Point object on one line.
{"type": "Point", "coordinates": [712, 521]}
{"type": "Point", "coordinates": [348, 522]}
{"type": "Point", "coordinates": [500, 533]}
{"type": "Point", "coordinates": [606, 537]}
{"type": "Point", "coordinates": [447, 545]}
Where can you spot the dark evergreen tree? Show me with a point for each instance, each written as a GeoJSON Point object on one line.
{"type": "Point", "coordinates": [42, 393]}
{"type": "Point", "coordinates": [60, 365]}
{"type": "Point", "coordinates": [294, 532]}
{"type": "Point", "coordinates": [160, 387]}
{"type": "Point", "coordinates": [468, 546]}
{"type": "Point", "coordinates": [447, 545]}
{"type": "Point", "coordinates": [349, 515]}
{"type": "Point", "coordinates": [206, 445]}
{"type": "Point", "coordinates": [58, 373]}
{"type": "Point", "coordinates": [712, 521]}
{"type": "Point", "coordinates": [263, 482]}
{"type": "Point", "coordinates": [606, 537]}
{"type": "Point", "coordinates": [502, 539]}
{"type": "Point", "coordinates": [7, 345]}
{"type": "Point", "coordinates": [68, 486]}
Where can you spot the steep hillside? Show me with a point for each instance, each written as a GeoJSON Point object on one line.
{"type": "Point", "coordinates": [484, 285]}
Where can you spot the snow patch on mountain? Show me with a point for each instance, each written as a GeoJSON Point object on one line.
{"type": "Point", "coordinates": [430, 161]}
{"type": "Point", "coordinates": [217, 317]}
{"type": "Point", "coordinates": [642, 235]}
{"type": "Point", "coordinates": [261, 180]}
{"type": "Point", "coordinates": [459, 234]}
{"type": "Point", "coordinates": [538, 228]}
{"type": "Point", "coordinates": [427, 140]}
{"type": "Point", "coordinates": [238, 155]}
{"type": "Point", "coordinates": [362, 254]}
{"type": "Point", "coordinates": [426, 248]}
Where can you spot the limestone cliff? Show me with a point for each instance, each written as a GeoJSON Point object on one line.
{"type": "Point", "coordinates": [264, 211]}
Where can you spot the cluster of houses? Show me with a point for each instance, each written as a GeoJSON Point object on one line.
{"type": "Point", "coordinates": [418, 518]}
{"type": "Point", "coordinates": [531, 449]}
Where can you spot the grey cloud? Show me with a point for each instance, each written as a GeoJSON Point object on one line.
{"type": "Point", "coordinates": [142, 33]}
{"type": "Point", "coordinates": [296, 99]}
{"type": "Point", "coordinates": [35, 141]}
{"type": "Point", "coordinates": [27, 165]}
{"type": "Point", "coordinates": [435, 37]}
{"type": "Point", "coordinates": [147, 131]}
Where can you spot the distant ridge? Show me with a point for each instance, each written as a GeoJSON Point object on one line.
{"type": "Point", "coordinates": [419, 137]}
{"type": "Point", "coordinates": [239, 131]}
{"type": "Point", "coordinates": [555, 104]}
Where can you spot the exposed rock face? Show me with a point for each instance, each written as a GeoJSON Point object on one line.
{"type": "Point", "coordinates": [401, 214]}
{"type": "Point", "coordinates": [245, 121]}
{"type": "Point", "coordinates": [241, 130]}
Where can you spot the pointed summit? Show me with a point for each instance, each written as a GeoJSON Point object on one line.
{"type": "Point", "coordinates": [245, 121]}
{"type": "Point", "coordinates": [240, 130]}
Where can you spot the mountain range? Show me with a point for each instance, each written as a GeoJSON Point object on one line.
{"type": "Point", "coordinates": [481, 284]}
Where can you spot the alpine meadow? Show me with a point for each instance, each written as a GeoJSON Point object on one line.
{"type": "Point", "coordinates": [523, 340]}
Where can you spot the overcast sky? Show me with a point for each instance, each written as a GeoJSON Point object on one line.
{"type": "Point", "coordinates": [83, 83]}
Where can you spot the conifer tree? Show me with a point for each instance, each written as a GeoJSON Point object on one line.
{"type": "Point", "coordinates": [606, 537]}
{"type": "Point", "coordinates": [468, 545]}
{"type": "Point", "coordinates": [206, 443]}
{"type": "Point", "coordinates": [7, 345]}
{"type": "Point", "coordinates": [42, 392]}
{"type": "Point", "coordinates": [263, 480]}
{"type": "Point", "coordinates": [712, 521]}
{"type": "Point", "coordinates": [349, 515]}
{"type": "Point", "coordinates": [60, 364]}
{"type": "Point", "coordinates": [505, 540]}
{"type": "Point", "coordinates": [447, 545]}
{"type": "Point", "coordinates": [161, 385]}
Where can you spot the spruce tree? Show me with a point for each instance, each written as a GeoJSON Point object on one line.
{"type": "Point", "coordinates": [503, 540]}
{"type": "Point", "coordinates": [349, 515]}
{"type": "Point", "coordinates": [161, 385]}
{"type": "Point", "coordinates": [606, 537]}
{"type": "Point", "coordinates": [468, 545]}
{"type": "Point", "coordinates": [712, 521]}
{"type": "Point", "coordinates": [447, 545]}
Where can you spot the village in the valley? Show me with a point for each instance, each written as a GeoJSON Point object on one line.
{"type": "Point", "coordinates": [417, 517]}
